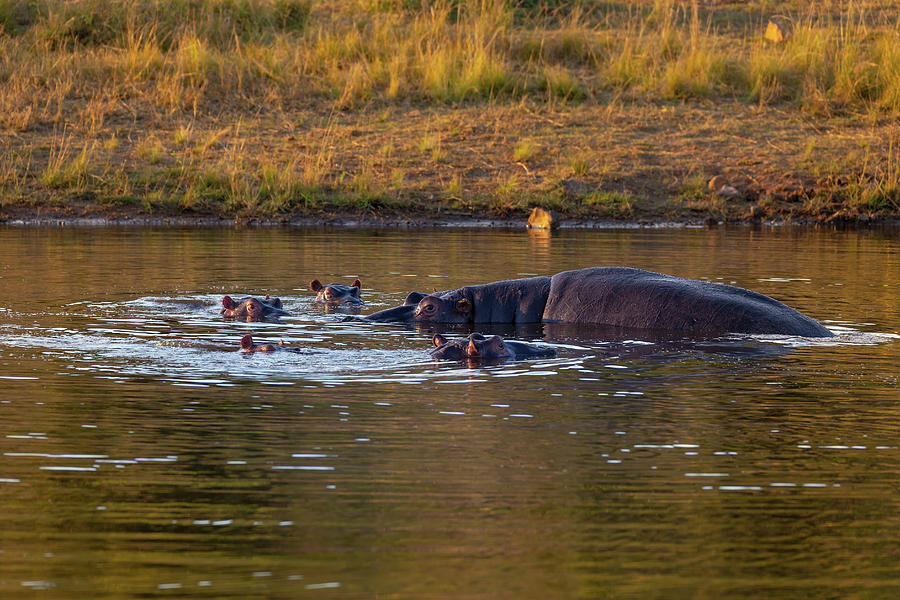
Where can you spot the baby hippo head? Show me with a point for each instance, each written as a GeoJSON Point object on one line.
{"type": "Point", "coordinates": [478, 347]}
{"type": "Point", "coordinates": [247, 345]}
{"type": "Point", "coordinates": [474, 347]}
{"type": "Point", "coordinates": [487, 348]}
{"type": "Point", "coordinates": [449, 349]}
{"type": "Point", "coordinates": [337, 293]}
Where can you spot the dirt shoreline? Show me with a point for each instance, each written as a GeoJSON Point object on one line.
{"type": "Point", "coordinates": [350, 221]}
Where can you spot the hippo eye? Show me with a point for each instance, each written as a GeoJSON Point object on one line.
{"type": "Point", "coordinates": [429, 308]}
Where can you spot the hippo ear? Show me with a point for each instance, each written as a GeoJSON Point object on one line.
{"type": "Point", "coordinates": [414, 298]}
{"type": "Point", "coordinates": [246, 342]}
{"type": "Point", "coordinates": [315, 285]}
{"type": "Point", "coordinates": [463, 306]}
{"type": "Point", "coordinates": [438, 340]}
{"type": "Point", "coordinates": [356, 284]}
{"type": "Point", "coordinates": [227, 302]}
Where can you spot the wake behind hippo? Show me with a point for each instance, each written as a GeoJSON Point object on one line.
{"type": "Point", "coordinates": [615, 296]}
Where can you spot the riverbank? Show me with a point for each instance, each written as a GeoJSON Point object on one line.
{"type": "Point", "coordinates": [643, 163]}
{"type": "Point", "coordinates": [414, 222]}
{"type": "Point", "coordinates": [314, 112]}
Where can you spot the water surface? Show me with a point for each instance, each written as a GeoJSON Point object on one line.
{"type": "Point", "coordinates": [143, 456]}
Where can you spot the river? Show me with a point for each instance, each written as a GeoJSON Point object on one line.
{"type": "Point", "coordinates": [144, 456]}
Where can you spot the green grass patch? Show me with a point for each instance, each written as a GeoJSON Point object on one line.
{"type": "Point", "coordinates": [579, 165]}
{"type": "Point", "coordinates": [614, 204]}
{"type": "Point", "coordinates": [66, 171]}
{"type": "Point", "coordinates": [524, 151]}
{"type": "Point", "coordinates": [557, 81]}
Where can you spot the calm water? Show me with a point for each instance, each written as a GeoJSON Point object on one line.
{"type": "Point", "coordinates": [144, 457]}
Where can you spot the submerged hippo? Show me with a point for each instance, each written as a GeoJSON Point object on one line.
{"type": "Point", "coordinates": [614, 296]}
{"type": "Point", "coordinates": [479, 347]}
{"type": "Point", "coordinates": [252, 309]}
{"type": "Point", "coordinates": [248, 346]}
{"type": "Point", "coordinates": [337, 293]}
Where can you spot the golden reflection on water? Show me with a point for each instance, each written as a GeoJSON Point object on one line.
{"type": "Point", "coordinates": [622, 468]}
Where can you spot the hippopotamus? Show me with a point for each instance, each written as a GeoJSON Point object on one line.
{"type": "Point", "coordinates": [480, 347]}
{"type": "Point", "coordinates": [337, 293]}
{"type": "Point", "coordinates": [613, 296]}
{"type": "Point", "coordinates": [252, 309]}
{"type": "Point", "coordinates": [248, 346]}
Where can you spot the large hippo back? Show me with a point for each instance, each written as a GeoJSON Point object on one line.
{"type": "Point", "coordinates": [625, 297]}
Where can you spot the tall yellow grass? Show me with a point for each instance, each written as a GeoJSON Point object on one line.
{"type": "Point", "coordinates": [199, 54]}
{"type": "Point", "coordinates": [192, 54]}
{"type": "Point", "coordinates": [86, 66]}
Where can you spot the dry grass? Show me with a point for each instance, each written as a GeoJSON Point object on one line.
{"type": "Point", "coordinates": [270, 107]}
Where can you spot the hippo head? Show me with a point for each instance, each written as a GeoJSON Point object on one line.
{"type": "Point", "coordinates": [481, 348]}
{"type": "Point", "coordinates": [250, 309]}
{"type": "Point", "coordinates": [474, 347]}
{"type": "Point", "coordinates": [444, 309]}
{"type": "Point", "coordinates": [247, 345]}
{"type": "Point", "coordinates": [230, 308]}
{"type": "Point", "coordinates": [449, 349]}
{"type": "Point", "coordinates": [254, 309]}
{"type": "Point", "coordinates": [487, 348]}
{"type": "Point", "coordinates": [337, 293]}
